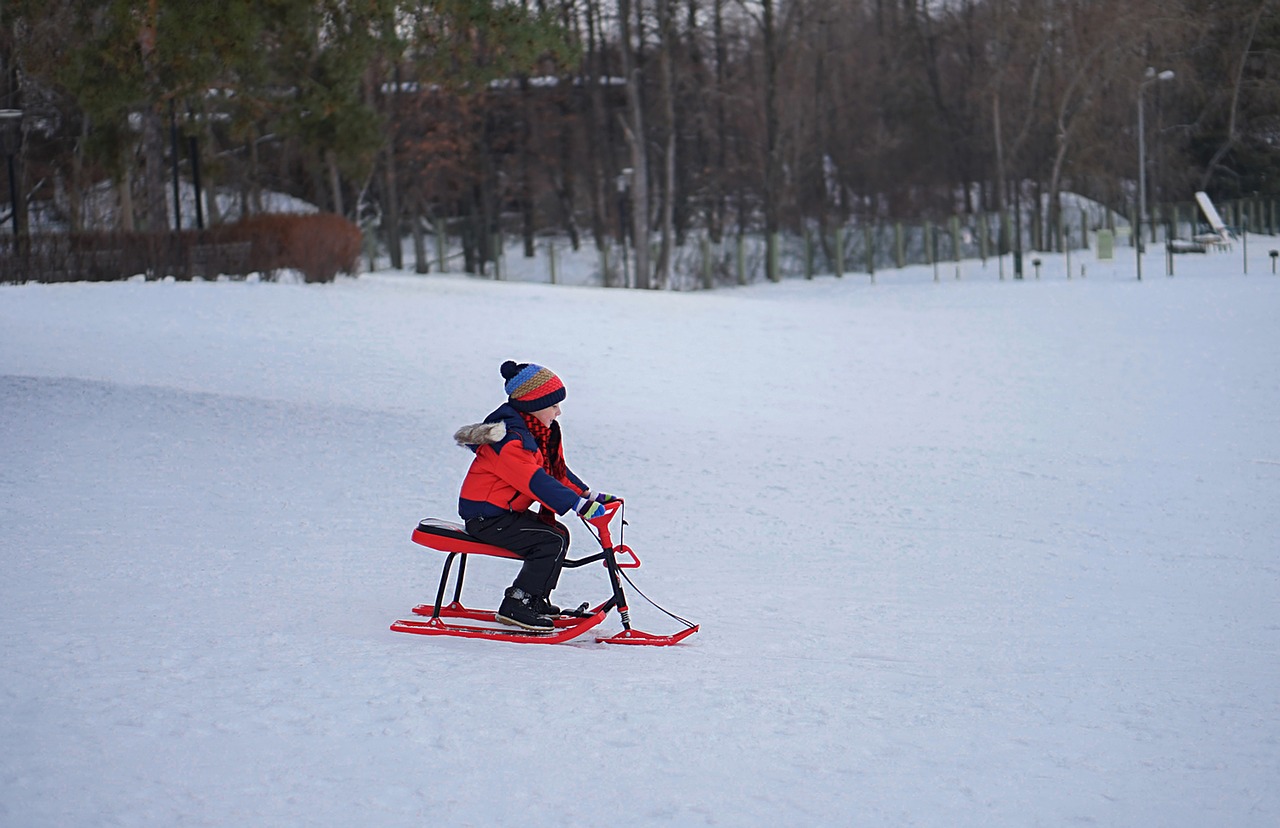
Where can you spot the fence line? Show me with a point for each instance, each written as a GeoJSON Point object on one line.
{"type": "Point", "coordinates": [853, 248]}
{"type": "Point", "coordinates": [869, 248]}
{"type": "Point", "coordinates": [90, 257]}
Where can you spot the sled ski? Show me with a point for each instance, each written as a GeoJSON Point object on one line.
{"type": "Point", "coordinates": [443, 619]}
{"type": "Point", "coordinates": [566, 628]}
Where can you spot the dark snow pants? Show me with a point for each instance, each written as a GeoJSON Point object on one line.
{"type": "Point", "coordinates": [542, 545]}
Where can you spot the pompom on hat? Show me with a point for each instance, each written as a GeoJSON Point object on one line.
{"type": "Point", "coordinates": [531, 387]}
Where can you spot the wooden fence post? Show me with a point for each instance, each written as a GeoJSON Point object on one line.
{"type": "Point", "coordinates": [1066, 239]}
{"type": "Point", "coordinates": [1004, 237]}
{"type": "Point", "coordinates": [808, 254]}
{"type": "Point", "coordinates": [706, 263]}
{"type": "Point", "coordinates": [934, 248]}
{"type": "Point", "coordinates": [869, 239]}
{"type": "Point", "coordinates": [440, 245]}
{"type": "Point", "coordinates": [840, 252]}
{"type": "Point", "coordinates": [983, 226]}
{"type": "Point", "coordinates": [955, 242]}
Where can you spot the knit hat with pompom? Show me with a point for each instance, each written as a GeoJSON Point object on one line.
{"type": "Point", "coordinates": [531, 387]}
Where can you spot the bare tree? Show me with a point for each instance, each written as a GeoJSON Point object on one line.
{"type": "Point", "coordinates": [1240, 52]}
{"type": "Point", "coordinates": [666, 71]}
{"type": "Point", "coordinates": [634, 128]}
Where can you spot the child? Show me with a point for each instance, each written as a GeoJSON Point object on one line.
{"type": "Point", "coordinates": [519, 461]}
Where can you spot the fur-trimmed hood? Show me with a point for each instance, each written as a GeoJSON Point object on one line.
{"type": "Point", "coordinates": [480, 434]}
{"type": "Point", "coordinates": [506, 423]}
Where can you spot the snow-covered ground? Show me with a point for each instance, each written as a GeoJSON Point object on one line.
{"type": "Point", "coordinates": [974, 552]}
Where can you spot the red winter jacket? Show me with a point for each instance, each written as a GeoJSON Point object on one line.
{"type": "Point", "coordinates": [507, 474]}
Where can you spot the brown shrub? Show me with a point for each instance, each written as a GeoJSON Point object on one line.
{"type": "Point", "coordinates": [320, 245]}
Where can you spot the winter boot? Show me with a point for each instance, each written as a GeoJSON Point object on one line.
{"type": "Point", "coordinates": [517, 609]}
{"type": "Point", "coordinates": [544, 607]}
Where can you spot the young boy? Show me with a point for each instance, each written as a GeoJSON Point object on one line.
{"type": "Point", "coordinates": [519, 461]}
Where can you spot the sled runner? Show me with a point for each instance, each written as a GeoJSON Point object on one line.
{"type": "Point", "coordinates": [450, 537]}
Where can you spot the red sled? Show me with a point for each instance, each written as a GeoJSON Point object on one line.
{"type": "Point", "coordinates": [450, 537]}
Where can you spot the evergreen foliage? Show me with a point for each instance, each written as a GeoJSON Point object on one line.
{"type": "Point", "coordinates": [532, 115]}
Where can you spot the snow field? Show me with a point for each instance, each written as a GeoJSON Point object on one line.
{"type": "Point", "coordinates": [967, 553]}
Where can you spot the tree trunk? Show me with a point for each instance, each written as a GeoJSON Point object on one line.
{"type": "Point", "coordinates": [155, 202]}
{"type": "Point", "coordinates": [125, 188]}
{"type": "Point", "coordinates": [75, 195]}
{"type": "Point", "coordinates": [335, 182]}
{"type": "Point", "coordinates": [526, 168]}
{"type": "Point", "coordinates": [716, 217]}
{"type": "Point", "coordinates": [255, 187]}
{"type": "Point", "coordinates": [421, 264]}
{"type": "Point", "coordinates": [598, 126]}
{"type": "Point", "coordinates": [771, 172]}
{"type": "Point", "coordinates": [391, 216]}
{"type": "Point", "coordinates": [391, 219]}
{"type": "Point", "coordinates": [997, 131]}
{"type": "Point", "coordinates": [639, 158]}
{"type": "Point", "coordinates": [213, 212]}
{"type": "Point", "coordinates": [568, 177]}
{"type": "Point", "coordinates": [663, 275]}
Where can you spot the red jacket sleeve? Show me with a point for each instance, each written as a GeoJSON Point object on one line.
{"type": "Point", "coordinates": [521, 469]}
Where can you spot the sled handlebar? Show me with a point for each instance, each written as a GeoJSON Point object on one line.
{"type": "Point", "coordinates": [601, 524]}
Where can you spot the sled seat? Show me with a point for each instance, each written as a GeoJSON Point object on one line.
{"type": "Point", "coordinates": [451, 536]}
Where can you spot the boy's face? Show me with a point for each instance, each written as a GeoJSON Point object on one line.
{"type": "Point", "coordinates": [547, 415]}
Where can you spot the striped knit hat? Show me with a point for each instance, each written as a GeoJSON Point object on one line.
{"type": "Point", "coordinates": [531, 387]}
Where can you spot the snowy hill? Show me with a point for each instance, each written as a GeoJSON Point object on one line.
{"type": "Point", "coordinates": [966, 553]}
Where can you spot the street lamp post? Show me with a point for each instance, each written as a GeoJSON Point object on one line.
{"type": "Point", "coordinates": [1151, 77]}
{"type": "Point", "coordinates": [11, 136]}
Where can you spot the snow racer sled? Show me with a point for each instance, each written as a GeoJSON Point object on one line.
{"type": "Point", "coordinates": [450, 537]}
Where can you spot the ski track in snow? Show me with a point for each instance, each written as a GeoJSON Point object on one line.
{"type": "Point", "coordinates": [963, 554]}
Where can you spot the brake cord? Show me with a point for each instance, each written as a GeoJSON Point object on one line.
{"type": "Point", "coordinates": [627, 577]}
{"type": "Point", "coordinates": [655, 604]}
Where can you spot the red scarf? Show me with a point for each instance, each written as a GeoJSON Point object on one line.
{"type": "Point", "coordinates": [548, 439]}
